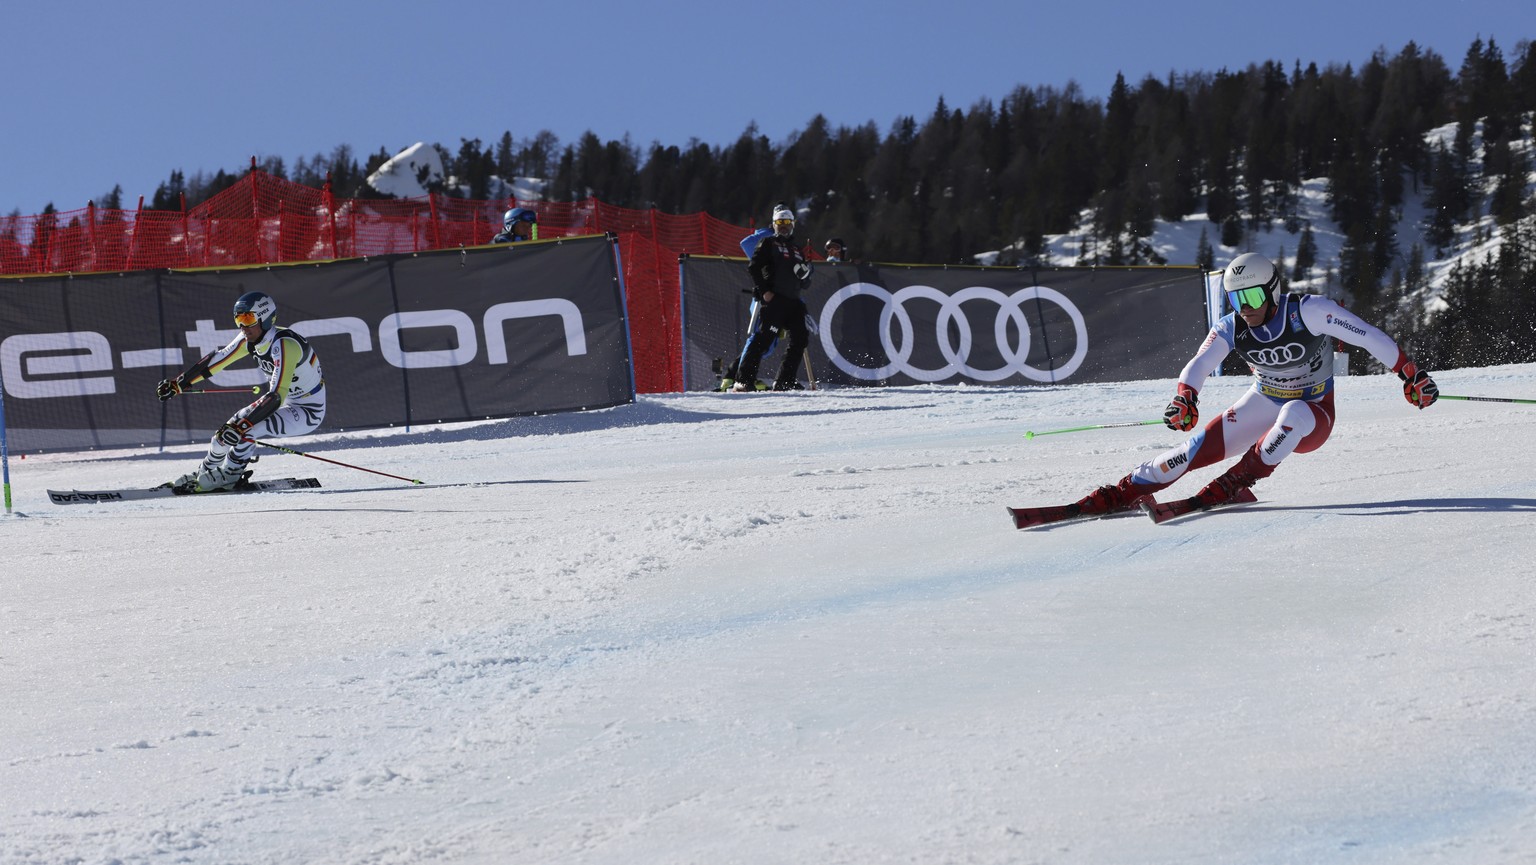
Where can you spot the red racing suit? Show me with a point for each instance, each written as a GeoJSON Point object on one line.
{"type": "Point", "coordinates": [1289, 409]}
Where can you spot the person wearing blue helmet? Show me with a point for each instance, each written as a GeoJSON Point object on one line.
{"type": "Point", "coordinates": [519, 223]}
{"type": "Point", "coordinates": [294, 403]}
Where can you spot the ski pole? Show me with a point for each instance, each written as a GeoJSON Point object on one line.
{"type": "Point", "coordinates": [1489, 399]}
{"type": "Point", "coordinates": [288, 450]}
{"type": "Point", "coordinates": [255, 388]}
{"type": "Point", "coordinates": [1032, 434]}
{"type": "Point", "coordinates": [5, 456]}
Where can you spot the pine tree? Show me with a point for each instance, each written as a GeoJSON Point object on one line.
{"type": "Point", "coordinates": [1509, 204]}
{"type": "Point", "coordinates": [168, 195]}
{"type": "Point", "coordinates": [1449, 197]}
{"type": "Point", "coordinates": [1117, 143]}
{"type": "Point", "coordinates": [1232, 231]}
{"type": "Point", "coordinates": [471, 169]}
{"type": "Point", "coordinates": [1306, 255]}
{"type": "Point", "coordinates": [506, 161]}
{"type": "Point", "coordinates": [1522, 80]}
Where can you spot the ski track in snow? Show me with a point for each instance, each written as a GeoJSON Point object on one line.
{"type": "Point", "coordinates": [786, 628]}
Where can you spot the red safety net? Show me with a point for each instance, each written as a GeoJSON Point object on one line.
{"type": "Point", "coordinates": [265, 220]}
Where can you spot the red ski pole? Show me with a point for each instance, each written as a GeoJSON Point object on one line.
{"type": "Point", "coordinates": [333, 462]}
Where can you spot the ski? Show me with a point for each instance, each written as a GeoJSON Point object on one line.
{"type": "Point", "coordinates": [86, 497]}
{"type": "Point", "coordinates": [1051, 515]}
{"type": "Point", "coordinates": [1162, 512]}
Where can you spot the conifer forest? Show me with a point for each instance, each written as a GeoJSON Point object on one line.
{"type": "Point", "coordinates": [1235, 145]}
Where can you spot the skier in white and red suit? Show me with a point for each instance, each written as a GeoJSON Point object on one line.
{"type": "Point", "coordinates": [1287, 340]}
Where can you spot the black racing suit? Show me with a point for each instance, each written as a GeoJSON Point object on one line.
{"type": "Point", "coordinates": [778, 266]}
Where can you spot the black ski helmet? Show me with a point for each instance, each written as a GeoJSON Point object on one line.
{"type": "Point", "coordinates": [257, 304]}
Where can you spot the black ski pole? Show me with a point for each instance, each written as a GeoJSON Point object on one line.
{"type": "Point", "coordinates": [288, 450]}
{"type": "Point", "coordinates": [255, 388]}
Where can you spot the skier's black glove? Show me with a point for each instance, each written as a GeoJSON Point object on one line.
{"type": "Point", "coordinates": [232, 432]}
{"type": "Point", "coordinates": [168, 388]}
{"type": "Point", "coordinates": [1418, 387]}
{"type": "Point", "coordinates": [1182, 415]}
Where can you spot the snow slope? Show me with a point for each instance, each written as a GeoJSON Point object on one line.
{"type": "Point", "coordinates": [785, 628]}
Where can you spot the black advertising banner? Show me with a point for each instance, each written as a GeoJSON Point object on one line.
{"type": "Point", "coordinates": [904, 324]}
{"type": "Point", "coordinates": [455, 335]}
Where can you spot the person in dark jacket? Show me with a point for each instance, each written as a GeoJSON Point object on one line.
{"type": "Point", "coordinates": [780, 271]}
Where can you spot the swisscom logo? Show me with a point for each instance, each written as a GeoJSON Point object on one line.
{"type": "Point", "coordinates": [1346, 324]}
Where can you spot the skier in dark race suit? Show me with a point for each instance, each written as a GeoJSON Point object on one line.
{"type": "Point", "coordinates": [780, 271]}
{"type": "Point", "coordinates": [1287, 340]}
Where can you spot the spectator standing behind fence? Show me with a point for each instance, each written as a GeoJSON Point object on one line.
{"type": "Point", "coordinates": [519, 223]}
{"type": "Point", "coordinates": [836, 250]}
{"type": "Point", "coordinates": [780, 271]}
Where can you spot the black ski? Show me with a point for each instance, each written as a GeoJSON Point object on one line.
{"type": "Point", "coordinates": [87, 497]}
{"type": "Point", "coordinates": [1050, 515]}
{"type": "Point", "coordinates": [1162, 512]}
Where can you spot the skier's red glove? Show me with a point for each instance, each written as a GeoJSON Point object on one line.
{"type": "Point", "coordinates": [1418, 387]}
{"type": "Point", "coordinates": [1182, 414]}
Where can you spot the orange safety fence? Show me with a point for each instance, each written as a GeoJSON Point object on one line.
{"type": "Point", "coordinates": [263, 219]}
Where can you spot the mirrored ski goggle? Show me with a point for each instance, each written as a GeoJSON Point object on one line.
{"type": "Point", "coordinates": [783, 223]}
{"type": "Point", "coordinates": [1250, 298]}
{"type": "Point", "coordinates": [246, 319]}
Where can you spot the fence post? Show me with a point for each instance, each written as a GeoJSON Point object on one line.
{"type": "Point", "coordinates": [90, 217]}
{"type": "Point", "coordinates": [255, 223]}
{"type": "Point", "coordinates": [330, 214]}
{"type": "Point", "coordinates": [5, 456]}
{"type": "Point", "coordinates": [133, 240]}
{"type": "Point", "coordinates": [432, 204]}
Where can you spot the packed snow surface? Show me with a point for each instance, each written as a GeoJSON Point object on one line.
{"type": "Point", "coordinates": [791, 628]}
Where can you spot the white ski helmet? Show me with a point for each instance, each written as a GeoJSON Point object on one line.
{"type": "Point", "coordinates": [1247, 272]}
{"type": "Point", "coordinates": [254, 303]}
{"type": "Point", "coordinates": [783, 217]}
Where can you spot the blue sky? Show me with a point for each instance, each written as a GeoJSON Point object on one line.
{"type": "Point", "coordinates": [124, 93]}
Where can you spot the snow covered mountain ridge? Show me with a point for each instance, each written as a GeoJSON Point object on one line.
{"type": "Point", "coordinates": [1179, 242]}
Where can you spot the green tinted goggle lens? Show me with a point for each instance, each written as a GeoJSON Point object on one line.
{"type": "Point", "coordinates": [1252, 298]}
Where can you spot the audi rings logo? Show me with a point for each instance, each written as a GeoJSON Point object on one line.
{"type": "Point", "coordinates": [898, 345]}
{"type": "Point", "coordinates": [1280, 355]}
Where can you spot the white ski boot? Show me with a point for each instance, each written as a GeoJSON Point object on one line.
{"type": "Point", "coordinates": [219, 477]}
{"type": "Point", "coordinates": [189, 480]}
